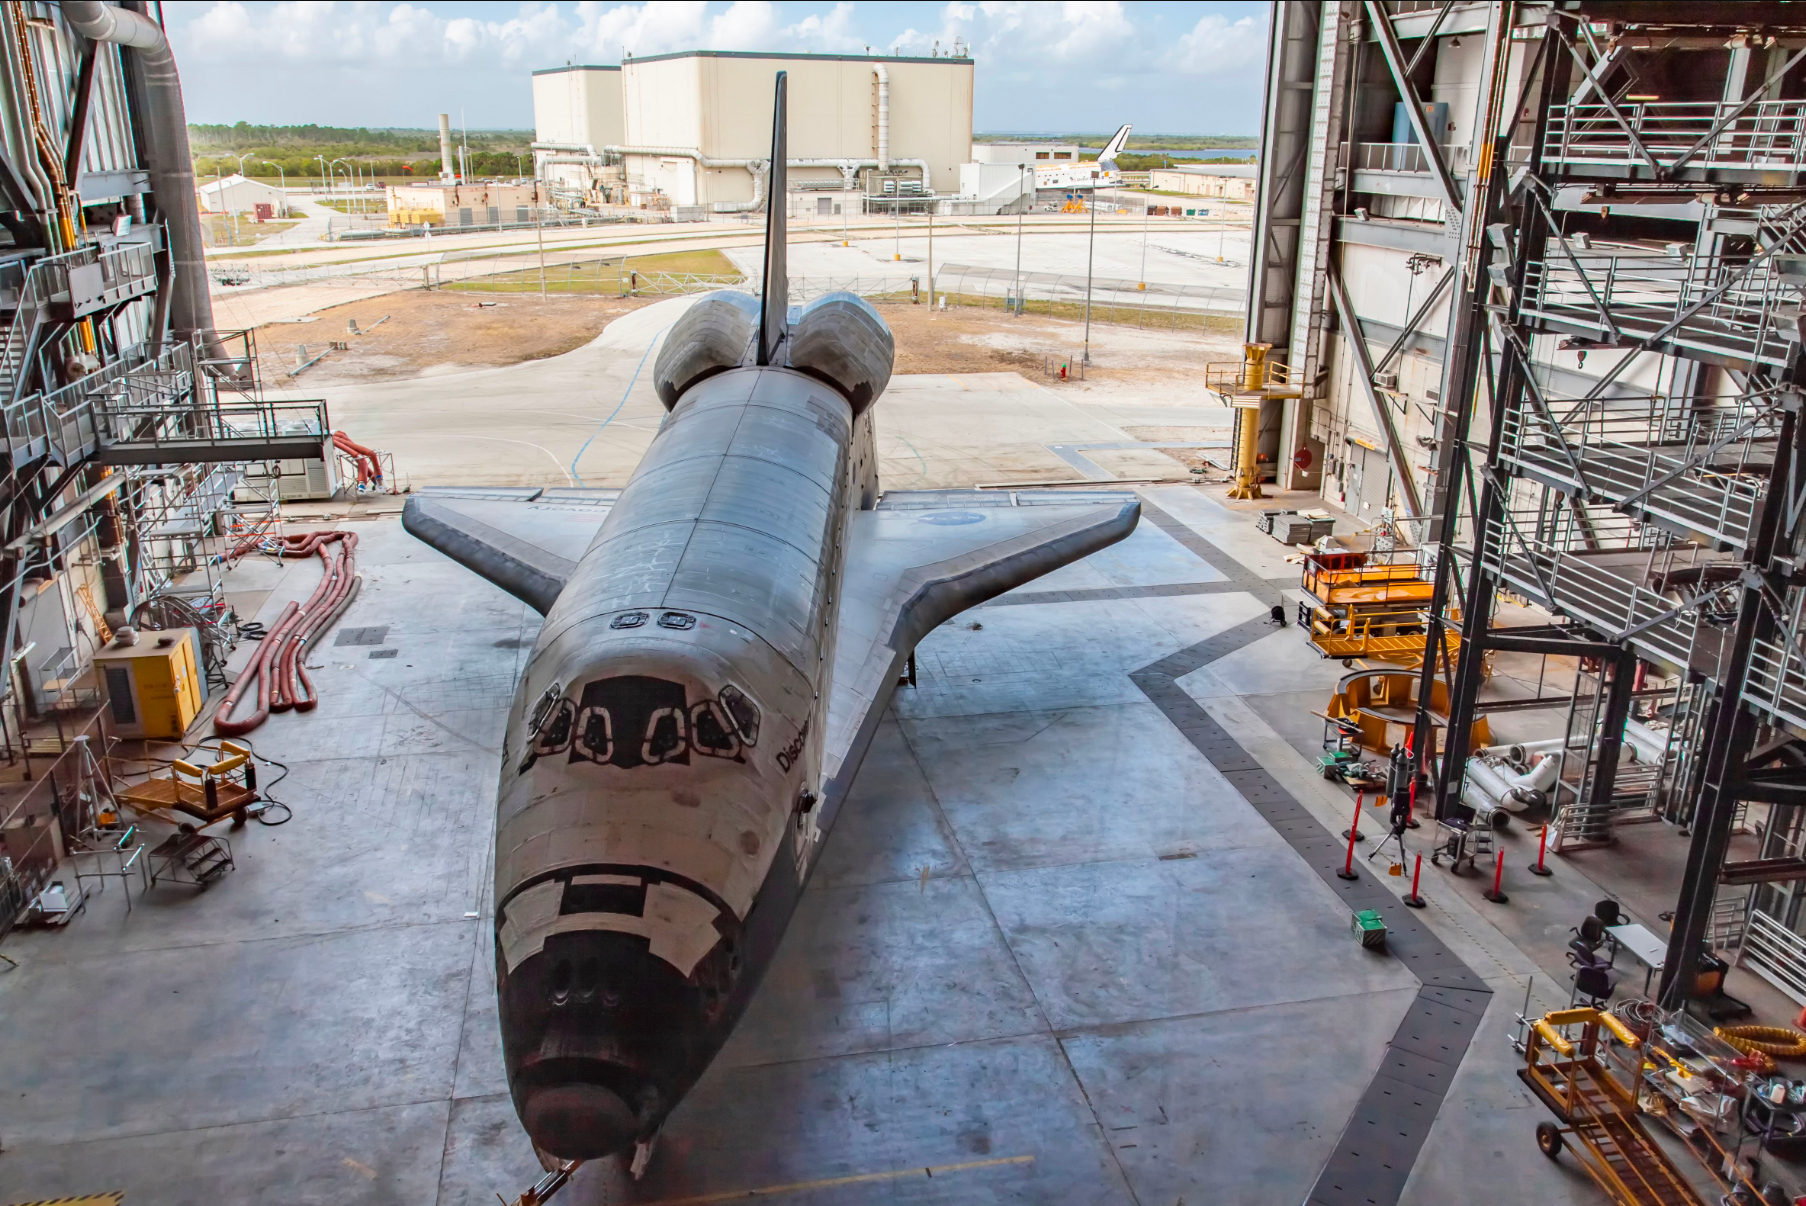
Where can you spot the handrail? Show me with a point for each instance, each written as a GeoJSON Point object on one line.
{"type": "Point", "coordinates": [1770, 136]}
{"type": "Point", "coordinates": [1646, 291]}
{"type": "Point", "coordinates": [1695, 462]}
{"type": "Point", "coordinates": [1405, 157]}
{"type": "Point", "coordinates": [47, 278]}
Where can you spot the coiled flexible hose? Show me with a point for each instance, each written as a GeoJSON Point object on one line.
{"type": "Point", "coordinates": [369, 468]}
{"type": "Point", "coordinates": [278, 671]}
{"type": "Point", "coordinates": [1778, 1042]}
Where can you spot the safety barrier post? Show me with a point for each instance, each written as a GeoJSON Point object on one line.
{"type": "Point", "coordinates": [1353, 836]}
{"type": "Point", "coordinates": [1414, 900]}
{"type": "Point", "coordinates": [1497, 894]}
{"type": "Point", "coordinates": [1542, 849]}
{"type": "Point", "coordinates": [1353, 832]}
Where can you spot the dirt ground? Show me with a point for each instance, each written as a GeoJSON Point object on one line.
{"type": "Point", "coordinates": [973, 340]}
{"type": "Point", "coordinates": [434, 330]}
{"type": "Point", "coordinates": [438, 331]}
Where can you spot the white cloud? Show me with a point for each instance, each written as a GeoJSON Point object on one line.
{"type": "Point", "coordinates": [833, 32]}
{"type": "Point", "coordinates": [1216, 45]}
{"type": "Point", "coordinates": [746, 25]}
{"type": "Point", "coordinates": [371, 34]}
{"type": "Point", "coordinates": [1075, 64]}
{"type": "Point", "coordinates": [606, 32]}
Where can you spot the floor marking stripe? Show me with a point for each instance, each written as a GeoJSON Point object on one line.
{"type": "Point", "coordinates": [1095, 594]}
{"type": "Point", "coordinates": [768, 1191]}
{"type": "Point", "coordinates": [1379, 1146]}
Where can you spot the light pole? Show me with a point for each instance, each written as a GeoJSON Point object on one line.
{"type": "Point", "coordinates": [539, 233]}
{"type": "Point", "coordinates": [283, 177]}
{"type": "Point", "coordinates": [1028, 199]}
{"type": "Point", "coordinates": [1104, 166]}
{"type": "Point", "coordinates": [1090, 247]}
{"type": "Point", "coordinates": [335, 180]}
{"type": "Point", "coordinates": [931, 259]}
{"type": "Point", "coordinates": [1143, 278]}
{"type": "Point", "coordinates": [344, 165]}
{"type": "Point", "coordinates": [321, 160]}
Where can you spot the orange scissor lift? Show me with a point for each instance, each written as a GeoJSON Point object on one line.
{"type": "Point", "coordinates": [1370, 605]}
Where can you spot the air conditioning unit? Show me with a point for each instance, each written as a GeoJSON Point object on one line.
{"type": "Point", "coordinates": [300, 480]}
{"type": "Point", "coordinates": [1386, 380]}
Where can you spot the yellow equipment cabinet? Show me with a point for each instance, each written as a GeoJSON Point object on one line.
{"type": "Point", "coordinates": [153, 686]}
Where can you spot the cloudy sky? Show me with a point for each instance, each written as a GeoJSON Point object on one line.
{"type": "Point", "coordinates": [1178, 68]}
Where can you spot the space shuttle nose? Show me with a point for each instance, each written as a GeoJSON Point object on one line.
{"type": "Point", "coordinates": [578, 1121]}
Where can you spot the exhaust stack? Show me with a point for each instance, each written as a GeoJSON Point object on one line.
{"type": "Point", "coordinates": [447, 173]}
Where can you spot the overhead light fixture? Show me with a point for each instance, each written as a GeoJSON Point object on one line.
{"type": "Point", "coordinates": [1638, 96]}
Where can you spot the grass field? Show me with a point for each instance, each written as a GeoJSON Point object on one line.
{"type": "Point", "coordinates": [670, 272]}
{"type": "Point", "coordinates": [361, 205]}
{"type": "Point", "coordinates": [707, 262]}
{"type": "Point", "coordinates": [217, 231]}
{"type": "Point", "coordinates": [1151, 315]}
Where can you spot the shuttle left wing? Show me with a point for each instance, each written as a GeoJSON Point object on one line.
{"type": "Point", "coordinates": [918, 559]}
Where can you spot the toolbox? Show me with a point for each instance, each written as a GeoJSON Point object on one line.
{"type": "Point", "coordinates": [1370, 928]}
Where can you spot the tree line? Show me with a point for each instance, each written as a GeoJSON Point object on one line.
{"type": "Point", "coordinates": [379, 152]}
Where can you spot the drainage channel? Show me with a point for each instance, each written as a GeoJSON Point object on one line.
{"type": "Point", "coordinates": [1377, 1150]}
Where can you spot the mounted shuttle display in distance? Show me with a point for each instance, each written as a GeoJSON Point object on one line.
{"type": "Point", "coordinates": [1085, 173]}
{"type": "Point", "coordinates": [721, 637]}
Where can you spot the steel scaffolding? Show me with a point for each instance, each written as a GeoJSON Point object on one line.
{"type": "Point", "coordinates": [1653, 502]}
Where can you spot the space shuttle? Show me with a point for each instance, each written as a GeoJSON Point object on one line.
{"type": "Point", "coordinates": [721, 638]}
{"type": "Point", "coordinates": [1083, 174]}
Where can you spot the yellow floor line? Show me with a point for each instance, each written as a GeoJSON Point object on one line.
{"type": "Point", "coordinates": [768, 1191]}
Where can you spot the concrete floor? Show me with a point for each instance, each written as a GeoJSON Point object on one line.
{"type": "Point", "coordinates": [1058, 949]}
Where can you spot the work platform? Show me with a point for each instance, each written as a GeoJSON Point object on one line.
{"type": "Point", "coordinates": [1076, 937]}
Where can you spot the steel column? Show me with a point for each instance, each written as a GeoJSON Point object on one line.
{"type": "Point", "coordinates": [1507, 392]}
{"type": "Point", "coordinates": [1728, 743]}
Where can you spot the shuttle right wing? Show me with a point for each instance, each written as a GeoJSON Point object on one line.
{"type": "Point", "coordinates": [526, 540]}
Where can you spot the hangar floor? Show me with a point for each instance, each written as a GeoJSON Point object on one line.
{"type": "Point", "coordinates": [1075, 939]}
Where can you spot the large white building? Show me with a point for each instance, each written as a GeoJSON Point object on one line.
{"type": "Point", "coordinates": [694, 128]}
{"type": "Point", "coordinates": [236, 194]}
{"type": "Point", "coordinates": [576, 109]}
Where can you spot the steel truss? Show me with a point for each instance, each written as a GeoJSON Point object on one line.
{"type": "Point", "coordinates": [1660, 518]}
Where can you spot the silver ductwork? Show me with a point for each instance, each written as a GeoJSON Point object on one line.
{"type": "Point", "coordinates": [584, 153]}
{"type": "Point", "coordinates": [164, 130]}
{"type": "Point", "coordinates": [760, 171]}
{"type": "Point", "coordinates": [883, 74]}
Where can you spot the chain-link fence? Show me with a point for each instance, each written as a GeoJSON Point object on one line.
{"type": "Point", "coordinates": [1149, 304]}
{"type": "Point", "coordinates": [1156, 304]}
